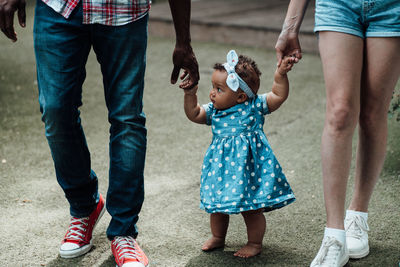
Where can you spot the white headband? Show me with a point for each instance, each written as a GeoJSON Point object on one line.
{"type": "Point", "coordinates": [233, 80]}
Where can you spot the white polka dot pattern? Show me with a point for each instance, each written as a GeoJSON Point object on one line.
{"type": "Point", "coordinates": [240, 171]}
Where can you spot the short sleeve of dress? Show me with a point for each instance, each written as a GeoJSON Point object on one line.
{"type": "Point", "coordinates": [262, 100]}
{"type": "Point", "coordinates": [208, 108]}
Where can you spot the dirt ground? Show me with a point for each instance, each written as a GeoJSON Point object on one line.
{"type": "Point", "coordinates": [34, 212]}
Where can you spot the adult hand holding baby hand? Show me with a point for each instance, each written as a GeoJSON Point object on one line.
{"type": "Point", "coordinates": [288, 45]}
{"type": "Point", "coordinates": [184, 58]}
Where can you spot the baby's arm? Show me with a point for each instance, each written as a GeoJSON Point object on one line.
{"type": "Point", "coordinates": [193, 110]}
{"type": "Point", "coordinates": [280, 87]}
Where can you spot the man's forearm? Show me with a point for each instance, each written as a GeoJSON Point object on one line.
{"type": "Point", "coordinates": [180, 10]}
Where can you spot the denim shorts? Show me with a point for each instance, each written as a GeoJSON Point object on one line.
{"type": "Point", "coordinates": [363, 18]}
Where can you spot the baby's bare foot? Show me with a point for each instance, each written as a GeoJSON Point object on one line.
{"type": "Point", "coordinates": [213, 243]}
{"type": "Point", "coordinates": [249, 250]}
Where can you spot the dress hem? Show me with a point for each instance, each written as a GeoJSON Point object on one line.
{"type": "Point", "coordinates": [238, 209]}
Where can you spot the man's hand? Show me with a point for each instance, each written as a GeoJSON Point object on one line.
{"type": "Point", "coordinates": [184, 58]}
{"type": "Point", "coordinates": [288, 45]}
{"type": "Point", "coordinates": [7, 10]}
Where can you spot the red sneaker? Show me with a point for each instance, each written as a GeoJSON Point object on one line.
{"type": "Point", "coordinates": [78, 239]}
{"type": "Point", "coordinates": [127, 252]}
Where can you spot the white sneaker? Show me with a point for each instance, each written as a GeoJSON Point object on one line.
{"type": "Point", "coordinates": [356, 235]}
{"type": "Point", "coordinates": [332, 253]}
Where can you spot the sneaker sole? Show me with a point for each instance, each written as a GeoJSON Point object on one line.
{"type": "Point", "coordinates": [345, 261]}
{"type": "Point", "coordinates": [148, 265]}
{"type": "Point", "coordinates": [360, 254]}
{"type": "Point", "coordinates": [69, 254]}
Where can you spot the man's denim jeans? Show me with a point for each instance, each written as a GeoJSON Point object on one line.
{"type": "Point", "coordinates": [62, 47]}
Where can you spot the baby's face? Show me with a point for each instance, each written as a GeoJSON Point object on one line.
{"type": "Point", "coordinates": [221, 95]}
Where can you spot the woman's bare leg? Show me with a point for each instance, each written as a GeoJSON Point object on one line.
{"type": "Point", "coordinates": [342, 59]}
{"type": "Point", "coordinates": [381, 71]}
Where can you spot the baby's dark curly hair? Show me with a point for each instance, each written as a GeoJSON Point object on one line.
{"type": "Point", "coordinates": [247, 69]}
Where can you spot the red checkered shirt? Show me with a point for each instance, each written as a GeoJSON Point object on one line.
{"type": "Point", "coordinates": [106, 12]}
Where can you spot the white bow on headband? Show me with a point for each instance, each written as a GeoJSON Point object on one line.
{"type": "Point", "coordinates": [233, 80]}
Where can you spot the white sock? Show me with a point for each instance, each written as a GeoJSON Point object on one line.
{"type": "Point", "coordinates": [362, 214]}
{"type": "Point", "coordinates": [339, 234]}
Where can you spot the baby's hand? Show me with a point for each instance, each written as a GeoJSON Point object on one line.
{"type": "Point", "coordinates": [286, 65]}
{"type": "Point", "coordinates": [191, 91]}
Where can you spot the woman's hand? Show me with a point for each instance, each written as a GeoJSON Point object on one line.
{"type": "Point", "coordinates": [288, 45]}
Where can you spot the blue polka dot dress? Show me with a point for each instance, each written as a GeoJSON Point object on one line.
{"type": "Point", "coordinates": [240, 171]}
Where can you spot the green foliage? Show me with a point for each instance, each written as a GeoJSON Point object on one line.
{"type": "Point", "coordinates": [394, 109]}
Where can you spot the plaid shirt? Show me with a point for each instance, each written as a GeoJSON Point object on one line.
{"type": "Point", "coordinates": [106, 12]}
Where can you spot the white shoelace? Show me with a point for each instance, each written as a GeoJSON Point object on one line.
{"type": "Point", "coordinates": [329, 252]}
{"type": "Point", "coordinates": [356, 227]}
{"type": "Point", "coordinates": [77, 229]}
{"type": "Point", "coordinates": [126, 248]}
